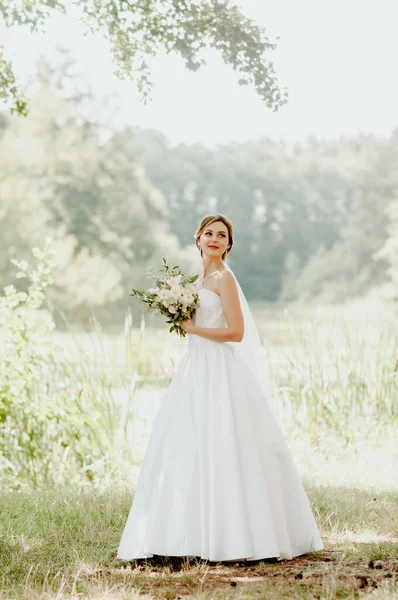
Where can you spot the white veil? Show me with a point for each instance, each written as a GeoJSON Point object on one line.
{"type": "Point", "coordinates": [252, 350]}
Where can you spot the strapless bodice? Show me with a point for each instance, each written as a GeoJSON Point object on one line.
{"type": "Point", "coordinates": [208, 314]}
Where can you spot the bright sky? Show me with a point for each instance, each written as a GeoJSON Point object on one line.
{"type": "Point", "coordinates": [337, 58]}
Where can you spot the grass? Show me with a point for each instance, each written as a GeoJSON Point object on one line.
{"type": "Point", "coordinates": [336, 374]}
{"type": "Point", "coordinates": [61, 543]}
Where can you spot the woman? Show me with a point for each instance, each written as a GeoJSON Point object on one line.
{"type": "Point", "coordinates": [218, 481]}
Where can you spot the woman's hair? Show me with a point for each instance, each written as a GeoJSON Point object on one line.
{"type": "Point", "coordinates": [208, 220]}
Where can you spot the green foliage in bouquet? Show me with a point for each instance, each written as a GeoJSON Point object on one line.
{"type": "Point", "coordinates": [173, 295]}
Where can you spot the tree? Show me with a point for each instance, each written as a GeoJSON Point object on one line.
{"type": "Point", "coordinates": [58, 178]}
{"type": "Point", "coordinates": [389, 250]}
{"type": "Point", "coordinates": [137, 29]}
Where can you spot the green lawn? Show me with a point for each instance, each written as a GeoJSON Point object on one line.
{"type": "Point", "coordinates": [61, 543]}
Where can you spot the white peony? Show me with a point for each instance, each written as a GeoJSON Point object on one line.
{"type": "Point", "coordinates": [172, 295]}
{"type": "Point", "coordinates": [174, 282]}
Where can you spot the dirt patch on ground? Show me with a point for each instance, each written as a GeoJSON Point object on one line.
{"type": "Point", "coordinates": [305, 576]}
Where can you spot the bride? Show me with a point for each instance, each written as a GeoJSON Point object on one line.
{"type": "Point", "coordinates": [218, 481]}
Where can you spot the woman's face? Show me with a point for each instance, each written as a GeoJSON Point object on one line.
{"type": "Point", "coordinates": [214, 240]}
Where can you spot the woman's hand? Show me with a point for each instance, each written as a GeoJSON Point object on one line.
{"type": "Point", "coordinates": [187, 325]}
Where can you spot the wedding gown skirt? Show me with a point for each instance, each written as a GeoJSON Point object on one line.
{"type": "Point", "coordinates": [217, 480]}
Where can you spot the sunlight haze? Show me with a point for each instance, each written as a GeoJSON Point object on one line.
{"type": "Point", "coordinates": [337, 60]}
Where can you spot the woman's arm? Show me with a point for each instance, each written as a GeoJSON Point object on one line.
{"type": "Point", "coordinates": [216, 334]}
{"type": "Point", "coordinates": [233, 314]}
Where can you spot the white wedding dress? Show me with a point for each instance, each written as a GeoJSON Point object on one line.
{"type": "Point", "coordinates": [217, 480]}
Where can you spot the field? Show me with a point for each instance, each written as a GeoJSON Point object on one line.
{"type": "Point", "coordinates": [335, 371]}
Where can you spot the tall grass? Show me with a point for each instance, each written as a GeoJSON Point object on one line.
{"type": "Point", "coordinates": [80, 405]}
{"type": "Point", "coordinates": [335, 375]}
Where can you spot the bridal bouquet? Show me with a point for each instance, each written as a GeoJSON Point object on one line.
{"type": "Point", "coordinates": [173, 295]}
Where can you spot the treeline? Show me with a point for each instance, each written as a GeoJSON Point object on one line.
{"type": "Point", "coordinates": [308, 220]}
{"type": "Point", "coordinates": [315, 221]}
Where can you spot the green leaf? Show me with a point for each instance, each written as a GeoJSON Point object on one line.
{"type": "Point", "coordinates": [157, 26]}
